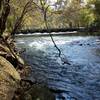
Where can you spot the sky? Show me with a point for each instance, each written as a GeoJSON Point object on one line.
{"type": "Point", "coordinates": [52, 1]}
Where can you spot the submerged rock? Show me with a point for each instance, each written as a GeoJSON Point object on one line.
{"type": "Point", "coordinates": [36, 92]}
{"type": "Point", "coordinates": [40, 93]}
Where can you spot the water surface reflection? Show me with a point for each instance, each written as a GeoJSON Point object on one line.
{"type": "Point", "coordinates": [78, 81]}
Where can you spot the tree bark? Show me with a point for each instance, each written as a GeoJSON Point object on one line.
{"type": "Point", "coordinates": [4, 14]}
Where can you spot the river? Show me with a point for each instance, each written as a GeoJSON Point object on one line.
{"type": "Point", "coordinates": [78, 81]}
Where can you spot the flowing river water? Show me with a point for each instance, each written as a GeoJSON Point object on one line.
{"type": "Point", "coordinates": [78, 81]}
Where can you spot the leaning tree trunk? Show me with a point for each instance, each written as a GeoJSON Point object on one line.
{"type": "Point", "coordinates": [5, 10]}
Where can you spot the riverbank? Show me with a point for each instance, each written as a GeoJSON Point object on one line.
{"type": "Point", "coordinates": [14, 72]}
{"type": "Point", "coordinates": [74, 33]}
{"type": "Point", "coordinates": [57, 30]}
{"type": "Point", "coordinates": [9, 76]}
{"type": "Point", "coordinates": [47, 30]}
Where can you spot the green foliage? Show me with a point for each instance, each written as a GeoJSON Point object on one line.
{"type": "Point", "coordinates": [86, 17]}
{"type": "Point", "coordinates": [63, 14]}
{"type": "Point", "coordinates": [96, 11]}
{"type": "Point", "coordinates": [97, 7]}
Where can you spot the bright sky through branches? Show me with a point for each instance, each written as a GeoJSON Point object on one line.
{"type": "Point", "coordinates": [52, 1]}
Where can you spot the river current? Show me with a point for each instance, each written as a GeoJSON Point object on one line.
{"type": "Point", "coordinates": [78, 81]}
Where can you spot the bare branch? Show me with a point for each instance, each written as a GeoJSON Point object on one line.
{"type": "Point", "coordinates": [19, 20]}
{"type": "Point", "coordinates": [45, 9]}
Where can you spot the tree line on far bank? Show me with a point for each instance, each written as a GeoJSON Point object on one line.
{"type": "Point", "coordinates": [16, 15]}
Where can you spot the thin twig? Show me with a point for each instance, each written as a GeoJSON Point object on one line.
{"type": "Point", "coordinates": [44, 10]}
{"type": "Point", "coordinates": [46, 24]}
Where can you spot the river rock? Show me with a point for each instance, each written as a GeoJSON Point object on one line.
{"type": "Point", "coordinates": [37, 92]}
{"type": "Point", "coordinates": [9, 79]}
{"type": "Point", "coordinates": [5, 50]}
